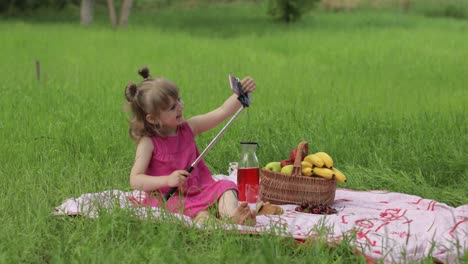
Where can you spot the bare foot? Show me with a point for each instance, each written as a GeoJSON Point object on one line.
{"type": "Point", "coordinates": [243, 215]}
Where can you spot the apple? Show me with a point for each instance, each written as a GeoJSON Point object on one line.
{"type": "Point", "coordinates": [285, 162]}
{"type": "Point", "coordinates": [292, 155]}
{"type": "Point", "coordinates": [287, 169]}
{"type": "Point", "coordinates": [273, 166]}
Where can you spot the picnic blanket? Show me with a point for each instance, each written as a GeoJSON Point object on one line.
{"type": "Point", "coordinates": [385, 226]}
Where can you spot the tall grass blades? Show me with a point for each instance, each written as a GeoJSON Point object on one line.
{"type": "Point", "coordinates": [383, 93]}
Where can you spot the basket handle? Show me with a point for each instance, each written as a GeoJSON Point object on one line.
{"type": "Point", "coordinates": [302, 148]}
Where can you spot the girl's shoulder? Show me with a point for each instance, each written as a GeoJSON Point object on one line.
{"type": "Point", "coordinates": [146, 143]}
{"type": "Point", "coordinates": [185, 125]}
{"type": "Point", "coordinates": [186, 129]}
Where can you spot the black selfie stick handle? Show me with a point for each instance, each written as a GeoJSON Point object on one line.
{"type": "Point", "coordinates": [171, 191]}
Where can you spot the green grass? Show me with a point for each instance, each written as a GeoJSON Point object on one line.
{"type": "Point", "coordinates": [384, 94]}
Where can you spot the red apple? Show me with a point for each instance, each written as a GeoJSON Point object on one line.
{"type": "Point", "coordinates": [292, 155]}
{"type": "Point", "coordinates": [286, 162]}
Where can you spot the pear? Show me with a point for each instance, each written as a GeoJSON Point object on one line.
{"type": "Point", "coordinates": [287, 169]}
{"type": "Point", "coordinates": [273, 166]}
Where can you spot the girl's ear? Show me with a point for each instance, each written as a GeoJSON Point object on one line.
{"type": "Point", "coordinates": [151, 119]}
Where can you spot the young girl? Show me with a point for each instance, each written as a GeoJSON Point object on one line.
{"type": "Point", "coordinates": [166, 147]}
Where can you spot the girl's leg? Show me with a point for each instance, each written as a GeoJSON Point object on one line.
{"type": "Point", "coordinates": [229, 207]}
{"type": "Point", "coordinates": [228, 203]}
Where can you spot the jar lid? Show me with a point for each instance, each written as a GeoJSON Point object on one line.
{"type": "Point", "coordinates": [249, 143]}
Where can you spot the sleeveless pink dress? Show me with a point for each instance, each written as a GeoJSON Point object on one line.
{"type": "Point", "coordinates": [178, 152]}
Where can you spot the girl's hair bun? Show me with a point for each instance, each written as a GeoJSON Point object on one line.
{"type": "Point", "coordinates": [144, 72]}
{"type": "Point", "coordinates": [130, 91]}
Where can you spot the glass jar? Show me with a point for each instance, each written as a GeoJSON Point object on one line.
{"type": "Point", "coordinates": [248, 172]}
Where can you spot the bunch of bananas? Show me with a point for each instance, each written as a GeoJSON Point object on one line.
{"type": "Point", "coordinates": [320, 164]}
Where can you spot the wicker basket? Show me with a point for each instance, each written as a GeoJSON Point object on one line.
{"type": "Point", "coordinates": [280, 188]}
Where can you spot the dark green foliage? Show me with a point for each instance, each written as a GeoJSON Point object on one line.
{"type": "Point", "coordinates": [13, 6]}
{"type": "Point", "coordinates": [289, 10]}
{"type": "Point", "coordinates": [450, 10]}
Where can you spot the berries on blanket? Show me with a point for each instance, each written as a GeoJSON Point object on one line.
{"type": "Point", "coordinates": [315, 209]}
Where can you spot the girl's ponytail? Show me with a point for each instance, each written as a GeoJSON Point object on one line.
{"type": "Point", "coordinates": [144, 72]}
{"type": "Point", "coordinates": [130, 91]}
{"type": "Point", "coordinates": [148, 97]}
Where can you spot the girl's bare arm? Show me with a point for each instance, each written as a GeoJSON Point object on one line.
{"type": "Point", "coordinates": [205, 122]}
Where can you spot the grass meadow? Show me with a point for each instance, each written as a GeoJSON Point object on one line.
{"type": "Point", "coordinates": [384, 94]}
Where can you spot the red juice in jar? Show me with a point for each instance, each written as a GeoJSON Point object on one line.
{"type": "Point", "coordinates": [248, 173]}
{"type": "Point", "coordinates": [247, 181]}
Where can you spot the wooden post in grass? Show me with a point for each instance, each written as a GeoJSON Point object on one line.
{"type": "Point", "coordinates": [38, 70]}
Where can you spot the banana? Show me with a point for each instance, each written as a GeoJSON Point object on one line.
{"type": "Point", "coordinates": [306, 164]}
{"type": "Point", "coordinates": [307, 171]}
{"type": "Point", "coordinates": [326, 158]}
{"type": "Point", "coordinates": [323, 172]}
{"type": "Point", "coordinates": [339, 176]}
{"type": "Point", "coordinates": [316, 160]}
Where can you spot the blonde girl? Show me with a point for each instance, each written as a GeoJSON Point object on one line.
{"type": "Point", "coordinates": [166, 147]}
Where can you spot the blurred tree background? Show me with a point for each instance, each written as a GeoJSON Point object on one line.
{"type": "Point", "coordinates": [286, 11]}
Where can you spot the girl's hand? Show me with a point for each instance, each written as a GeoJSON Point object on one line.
{"type": "Point", "coordinates": [177, 178]}
{"type": "Point", "coordinates": [248, 84]}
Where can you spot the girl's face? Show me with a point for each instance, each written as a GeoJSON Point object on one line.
{"type": "Point", "coordinates": [172, 116]}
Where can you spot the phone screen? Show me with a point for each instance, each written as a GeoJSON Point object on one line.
{"type": "Point", "coordinates": [236, 87]}
{"type": "Point", "coordinates": [233, 81]}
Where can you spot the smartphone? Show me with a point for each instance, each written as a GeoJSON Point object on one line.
{"type": "Point", "coordinates": [236, 87]}
{"type": "Point", "coordinates": [235, 84]}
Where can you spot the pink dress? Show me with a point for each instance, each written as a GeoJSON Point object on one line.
{"type": "Point", "coordinates": [178, 152]}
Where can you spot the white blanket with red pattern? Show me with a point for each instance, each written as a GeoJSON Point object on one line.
{"type": "Point", "coordinates": [388, 226]}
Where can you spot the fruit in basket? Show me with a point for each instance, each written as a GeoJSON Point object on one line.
{"type": "Point", "coordinates": [306, 164]}
{"type": "Point", "coordinates": [316, 160]}
{"type": "Point", "coordinates": [307, 171]}
{"type": "Point", "coordinates": [323, 172]}
{"type": "Point", "coordinates": [339, 176]}
{"type": "Point", "coordinates": [326, 158]}
{"type": "Point", "coordinates": [285, 162]}
{"type": "Point", "coordinates": [292, 155]}
{"type": "Point", "coordinates": [287, 169]}
{"type": "Point", "coordinates": [273, 166]}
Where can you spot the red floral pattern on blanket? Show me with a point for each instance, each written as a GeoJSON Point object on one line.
{"type": "Point", "coordinates": [388, 226]}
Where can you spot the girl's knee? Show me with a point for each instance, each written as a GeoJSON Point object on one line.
{"type": "Point", "coordinates": [202, 216]}
{"type": "Point", "coordinates": [232, 194]}
{"type": "Point", "coordinates": [203, 213]}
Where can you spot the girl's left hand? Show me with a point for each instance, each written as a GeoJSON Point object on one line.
{"type": "Point", "coordinates": [248, 84]}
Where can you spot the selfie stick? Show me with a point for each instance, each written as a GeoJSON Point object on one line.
{"type": "Point", "coordinates": [243, 98]}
